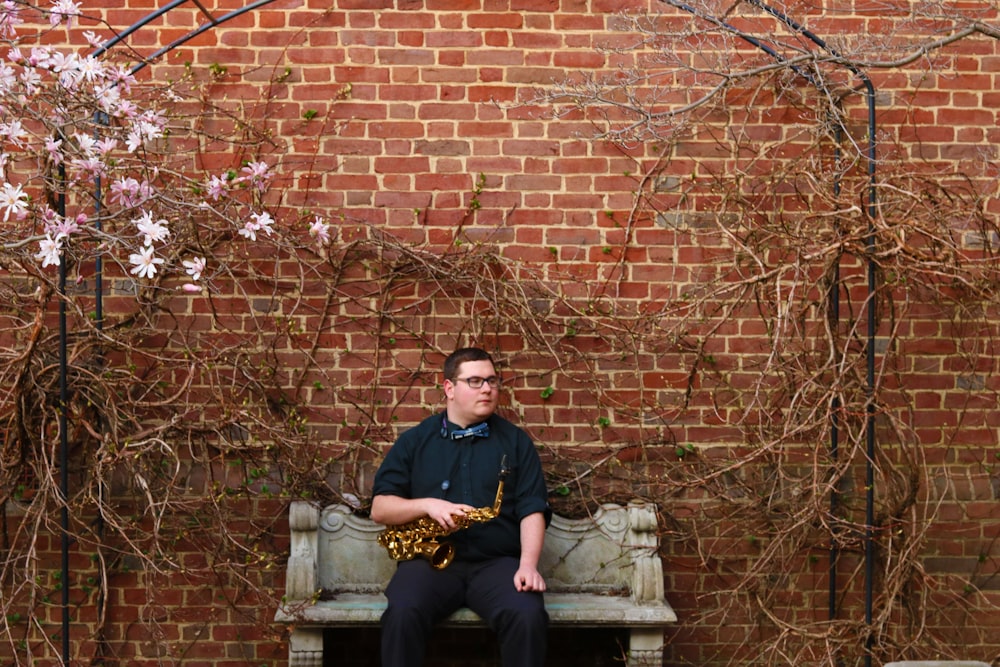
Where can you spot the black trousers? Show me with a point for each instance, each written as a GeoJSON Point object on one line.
{"type": "Point", "coordinates": [420, 597]}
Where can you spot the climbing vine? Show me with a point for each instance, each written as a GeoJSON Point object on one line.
{"type": "Point", "coordinates": [247, 345]}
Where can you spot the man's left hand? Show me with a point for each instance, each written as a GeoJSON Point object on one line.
{"type": "Point", "coordinates": [528, 579]}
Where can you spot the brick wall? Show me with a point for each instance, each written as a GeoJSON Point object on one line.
{"type": "Point", "coordinates": [401, 118]}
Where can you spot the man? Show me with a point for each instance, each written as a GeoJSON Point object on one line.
{"type": "Point", "coordinates": [444, 467]}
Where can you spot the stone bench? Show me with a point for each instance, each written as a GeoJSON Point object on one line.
{"type": "Point", "coordinates": [602, 571]}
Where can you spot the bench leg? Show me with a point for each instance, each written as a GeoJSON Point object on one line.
{"type": "Point", "coordinates": [305, 647]}
{"type": "Point", "coordinates": [645, 647]}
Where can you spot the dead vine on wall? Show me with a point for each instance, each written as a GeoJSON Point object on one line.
{"type": "Point", "coordinates": [763, 161]}
{"type": "Point", "coordinates": [194, 417]}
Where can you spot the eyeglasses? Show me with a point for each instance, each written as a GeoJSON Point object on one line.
{"type": "Point", "coordinates": [477, 382]}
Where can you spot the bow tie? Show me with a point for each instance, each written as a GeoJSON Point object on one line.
{"type": "Point", "coordinates": [477, 431]}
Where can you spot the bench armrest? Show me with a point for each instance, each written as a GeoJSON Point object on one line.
{"type": "Point", "coordinates": [301, 582]}
{"type": "Point", "coordinates": [643, 545]}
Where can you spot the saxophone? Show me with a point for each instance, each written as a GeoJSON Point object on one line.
{"type": "Point", "coordinates": [420, 537]}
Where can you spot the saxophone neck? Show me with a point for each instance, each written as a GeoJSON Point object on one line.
{"type": "Point", "coordinates": [499, 499]}
{"type": "Point", "coordinates": [503, 474]}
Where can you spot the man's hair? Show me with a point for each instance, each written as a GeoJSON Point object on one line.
{"type": "Point", "coordinates": [462, 355]}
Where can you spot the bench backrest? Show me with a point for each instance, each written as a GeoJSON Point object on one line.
{"type": "Point", "coordinates": [613, 551]}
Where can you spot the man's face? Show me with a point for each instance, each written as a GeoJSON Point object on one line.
{"type": "Point", "coordinates": [466, 405]}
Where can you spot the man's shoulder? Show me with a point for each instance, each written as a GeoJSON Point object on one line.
{"type": "Point", "coordinates": [498, 421]}
{"type": "Point", "coordinates": [429, 424]}
{"type": "Point", "coordinates": [507, 427]}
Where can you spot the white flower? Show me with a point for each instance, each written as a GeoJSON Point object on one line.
{"type": "Point", "coordinates": [92, 38]}
{"type": "Point", "coordinates": [144, 130]}
{"type": "Point", "coordinates": [49, 250]}
{"type": "Point", "coordinates": [134, 140]}
{"type": "Point", "coordinates": [86, 143]}
{"type": "Point", "coordinates": [8, 77]}
{"type": "Point", "coordinates": [194, 267]}
{"type": "Point", "coordinates": [31, 80]}
{"type": "Point", "coordinates": [110, 100]}
{"type": "Point", "coordinates": [90, 68]}
{"type": "Point", "coordinates": [153, 232]}
{"type": "Point", "coordinates": [264, 221]}
{"type": "Point", "coordinates": [249, 230]}
{"type": "Point", "coordinates": [41, 56]}
{"type": "Point", "coordinates": [14, 131]}
{"type": "Point", "coordinates": [13, 200]}
{"type": "Point", "coordinates": [143, 262]}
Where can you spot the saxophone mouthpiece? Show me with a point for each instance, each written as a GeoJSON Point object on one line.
{"type": "Point", "coordinates": [503, 467]}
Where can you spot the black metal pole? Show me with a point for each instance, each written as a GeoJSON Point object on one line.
{"type": "Point", "coordinates": [834, 314]}
{"type": "Point", "coordinates": [870, 411]}
{"type": "Point", "coordinates": [213, 22]}
{"type": "Point", "coordinates": [145, 20]}
{"type": "Point", "coordinates": [63, 436]}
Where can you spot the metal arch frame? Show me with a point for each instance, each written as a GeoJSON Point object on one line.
{"type": "Point", "coordinates": [149, 18]}
{"type": "Point", "coordinates": [872, 211]}
{"type": "Point", "coordinates": [212, 22]}
{"type": "Point", "coordinates": [870, 449]}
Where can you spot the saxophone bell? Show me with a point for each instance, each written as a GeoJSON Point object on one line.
{"type": "Point", "coordinates": [439, 554]}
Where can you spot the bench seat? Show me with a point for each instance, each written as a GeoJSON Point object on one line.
{"type": "Point", "coordinates": [588, 610]}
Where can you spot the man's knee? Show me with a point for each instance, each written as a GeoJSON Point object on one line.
{"type": "Point", "coordinates": [526, 617]}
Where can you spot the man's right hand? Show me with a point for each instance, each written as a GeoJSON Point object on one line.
{"type": "Point", "coordinates": [444, 512]}
{"type": "Point", "coordinates": [395, 511]}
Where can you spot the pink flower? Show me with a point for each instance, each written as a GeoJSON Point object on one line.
{"type": "Point", "coordinates": [9, 18]}
{"type": "Point", "coordinates": [63, 10]}
{"type": "Point", "coordinates": [122, 78]}
{"type": "Point", "coordinates": [257, 222]}
{"type": "Point", "coordinates": [106, 145]}
{"type": "Point", "coordinates": [194, 267]}
{"type": "Point", "coordinates": [54, 147]}
{"type": "Point", "coordinates": [258, 173]}
{"type": "Point", "coordinates": [217, 187]}
{"type": "Point", "coordinates": [125, 192]}
{"type": "Point", "coordinates": [127, 109]}
{"type": "Point", "coordinates": [90, 168]}
{"type": "Point", "coordinates": [65, 228]}
{"type": "Point", "coordinates": [321, 231]}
